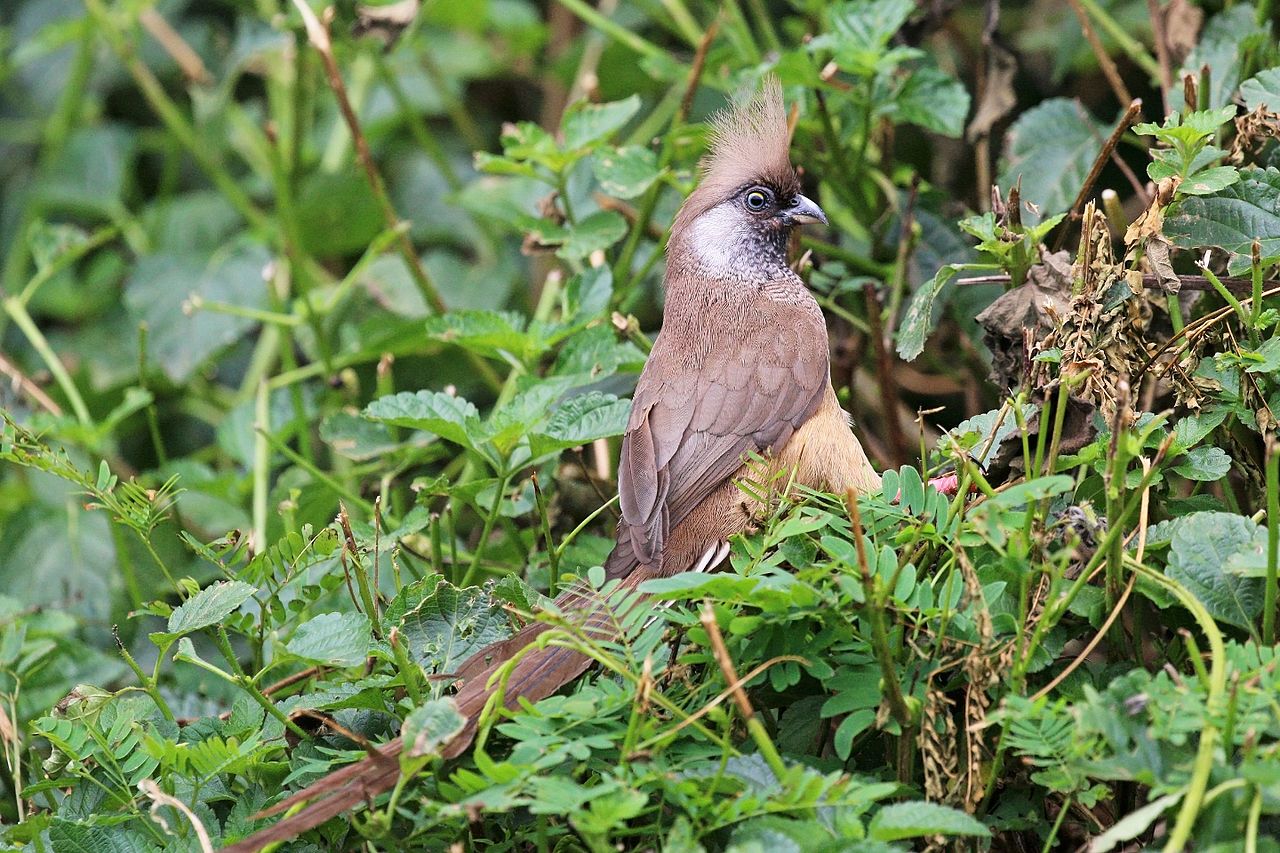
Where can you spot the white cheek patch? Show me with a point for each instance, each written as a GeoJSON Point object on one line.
{"type": "Point", "coordinates": [716, 238]}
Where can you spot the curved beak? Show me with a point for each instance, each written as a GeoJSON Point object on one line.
{"type": "Point", "coordinates": [805, 210]}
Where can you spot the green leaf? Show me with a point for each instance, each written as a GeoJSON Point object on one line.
{"type": "Point", "coordinates": [181, 338]}
{"type": "Point", "coordinates": [586, 123]}
{"type": "Point", "coordinates": [921, 316]}
{"type": "Point", "coordinates": [431, 726]}
{"type": "Point", "coordinates": [933, 100]}
{"type": "Point", "coordinates": [1206, 463]}
{"type": "Point", "coordinates": [451, 624]}
{"type": "Point", "coordinates": [90, 171]}
{"type": "Point", "coordinates": [587, 295]}
{"type": "Point", "coordinates": [1233, 218]}
{"type": "Point", "coordinates": [598, 231]}
{"type": "Point", "coordinates": [452, 418]}
{"type": "Point", "coordinates": [337, 212]}
{"type": "Point", "coordinates": [913, 820]}
{"type": "Point", "coordinates": [859, 34]}
{"type": "Point", "coordinates": [1227, 40]}
{"type": "Point", "coordinates": [581, 420]}
{"type": "Point", "coordinates": [1133, 824]}
{"type": "Point", "coordinates": [209, 606]}
{"type": "Point", "coordinates": [1202, 544]}
{"type": "Point", "coordinates": [1191, 430]}
{"type": "Point", "coordinates": [71, 837]}
{"type": "Point", "coordinates": [335, 639]}
{"type": "Point", "coordinates": [496, 334]}
{"type": "Point", "coordinates": [775, 834]}
{"type": "Point", "coordinates": [626, 172]}
{"type": "Point", "coordinates": [1209, 181]}
{"type": "Point", "coordinates": [1033, 490]}
{"type": "Point", "coordinates": [358, 438]}
{"type": "Point", "coordinates": [1051, 148]}
{"type": "Point", "coordinates": [1262, 90]}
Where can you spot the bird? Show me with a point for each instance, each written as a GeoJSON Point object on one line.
{"type": "Point", "coordinates": [737, 388]}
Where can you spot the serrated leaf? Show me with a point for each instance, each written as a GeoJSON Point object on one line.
{"type": "Point", "coordinates": [335, 639]}
{"type": "Point", "coordinates": [450, 624]}
{"type": "Point", "coordinates": [1200, 548]}
{"type": "Point", "coordinates": [430, 726]}
{"type": "Point", "coordinates": [1233, 218]}
{"type": "Point", "coordinates": [1227, 39]}
{"type": "Point", "coordinates": [587, 294]}
{"type": "Point", "coordinates": [1206, 463]}
{"type": "Point", "coordinates": [497, 334]}
{"type": "Point", "coordinates": [209, 606]}
{"type": "Point", "coordinates": [1209, 181]}
{"type": "Point", "coordinates": [933, 100]}
{"type": "Point", "coordinates": [593, 233]}
{"type": "Point", "coordinates": [860, 31]}
{"type": "Point", "coordinates": [1051, 148]}
{"type": "Point", "coordinates": [72, 837]}
{"type": "Point", "coordinates": [452, 418]}
{"type": "Point", "coordinates": [586, 123]}
{"type": "Point", "coordinates": [359, 438]}
{"type": "Point", "coordinates": [581, 420]}
{"type": "Point", "coordinates": [1262, 90]}
{"type": "Point", "coordinates": [914, 820]}
{"type": "Point", "coordinates": [626, 172]}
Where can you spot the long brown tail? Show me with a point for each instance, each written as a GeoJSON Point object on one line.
{"type": "Point", "coordinates": [538, 674]}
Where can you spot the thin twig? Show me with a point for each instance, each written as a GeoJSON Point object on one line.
{"type": "Point", "coordinates": [23, 384]}
{"type": "Point", "coordinates": [889, 397]}
{"type": "Point", "coordinates": [174, 45]}
{"type": "Point", "coordinates": [1149, 280]}
{"type": "Point", "coordinates": [768, 751]}
{"type": "Point", "coordinates": [318, 36]}
{"type": "Point", "coordinates": [1100, 53]}
{"type": "Point", "coordinates": [1160, 37]}
{"type": "Point", "coordinates": [1109, 146]}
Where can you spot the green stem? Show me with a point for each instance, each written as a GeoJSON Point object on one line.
{"type": "Point", "coordinates": [490, 519]}
{"type": "Point", "coordinates": [261, 466]}
{"type": "Point", "coordinates": [308, 466]}
{"type": "Point", "coordinates": [148, 683]}
{"type": "Point", "coordinates": [613, 30]}
{"type": "Point", "coordinates": [1127, 43]}
{"type": "Point", "coordinates": [18, 312]}
{"type": "Point", "coordinates": [1227, 295]}
{"type": "Point", "coordinates": [1273, 542]}
{"type": "Point", "coordinates": [247, 684]}
{"type": "Point", "coordinates": [174, 120]}
{"type": "Point", "coordinates": [1180, 835]}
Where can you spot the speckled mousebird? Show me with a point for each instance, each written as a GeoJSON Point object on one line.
{"type": "Point", "coordinates": [739, 372]}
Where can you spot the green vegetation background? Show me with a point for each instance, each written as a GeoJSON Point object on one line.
{"type": "Point", "coordinates": [317, 339]}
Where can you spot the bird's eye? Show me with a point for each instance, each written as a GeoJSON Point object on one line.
{"type": "Point", "coordinates": [757, 199]}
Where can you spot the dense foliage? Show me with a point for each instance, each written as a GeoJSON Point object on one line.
{"type": "Point", "coordinates": [318, 331]}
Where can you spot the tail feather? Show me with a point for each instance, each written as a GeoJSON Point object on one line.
{"type": "Point", "coordinates": [537, 675]}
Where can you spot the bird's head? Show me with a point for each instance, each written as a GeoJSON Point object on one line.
{"type": "Point", "coordinates": [738, 222]}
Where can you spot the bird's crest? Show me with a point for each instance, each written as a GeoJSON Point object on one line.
{"type": "Point", "coordinates": [749, 144]}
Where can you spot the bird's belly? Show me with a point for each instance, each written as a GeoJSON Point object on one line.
{"type": "Point", "coordinates": [825, 454]}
